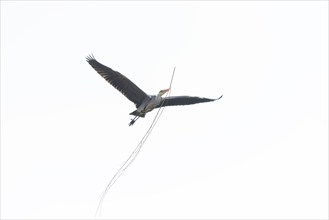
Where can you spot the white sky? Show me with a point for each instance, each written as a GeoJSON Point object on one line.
{"type": "Point", "coordinates": [259, 152]}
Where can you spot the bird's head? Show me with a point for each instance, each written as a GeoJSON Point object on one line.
{"type": "Point", "coordinates": [163, 92]}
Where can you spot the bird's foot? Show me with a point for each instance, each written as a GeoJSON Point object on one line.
{"type": "Point", "coordinates": [132, 122]}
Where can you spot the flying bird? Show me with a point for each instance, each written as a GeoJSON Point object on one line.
{"type": "Point", "coordinates": [144, 103]}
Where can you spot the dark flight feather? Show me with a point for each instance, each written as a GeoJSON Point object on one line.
{"type": "Point", "coordinates": [118, 81]}
{"type": "Point", "coordinates": [183, 100]}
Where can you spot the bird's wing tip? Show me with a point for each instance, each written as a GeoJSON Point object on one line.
{"type": "Point", "coordinates": [219, 97]}
{"type": "Point", "coordinates": [90, 57]}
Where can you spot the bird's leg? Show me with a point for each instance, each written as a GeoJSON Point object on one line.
{"type": "Point", "coordinates": [133, 120]}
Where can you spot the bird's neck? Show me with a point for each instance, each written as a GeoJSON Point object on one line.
{"type": "Point", "coordinates": [158, 97]}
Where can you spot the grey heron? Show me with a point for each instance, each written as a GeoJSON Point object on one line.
{"type": "Point", "coordinates": [144, 103]}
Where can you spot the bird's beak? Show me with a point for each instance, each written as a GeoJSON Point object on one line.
{"type": "Point", "coordinates": [166, 90]}
{"type": "Point", "coordinates": [163, 92]}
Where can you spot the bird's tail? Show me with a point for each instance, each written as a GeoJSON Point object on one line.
{"type": "Point", "coordinates": [136, 113]}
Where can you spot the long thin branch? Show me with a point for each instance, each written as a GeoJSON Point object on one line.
{"type": "Point", "coordinates": [134, 154]}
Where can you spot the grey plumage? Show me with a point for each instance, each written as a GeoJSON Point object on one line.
{"type": "Point", "coordinates": [144, 103]}
{"type": "Point", "coordinates": [118, 81]}
{"type": "Point", "coordinates": [184, 100]}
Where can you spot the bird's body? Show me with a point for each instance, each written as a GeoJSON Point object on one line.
{"type": "Point", "coordinates": [147, 105]}
{"type": "Point", "coordinates": [144, 103]}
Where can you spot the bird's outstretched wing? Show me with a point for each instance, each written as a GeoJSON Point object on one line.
{"type": "Point", "coordinates": [183, 100]}
{"type": "Point", "coordinates": [118, 81]}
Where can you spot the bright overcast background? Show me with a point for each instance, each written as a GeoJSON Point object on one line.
{"type": "Point", "coordinates": [259, 152]}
